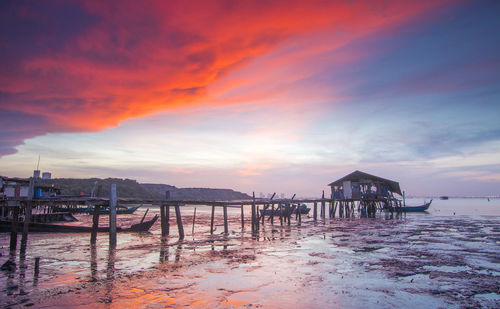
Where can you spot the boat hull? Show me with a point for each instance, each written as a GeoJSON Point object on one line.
{"type": "Point", "coordinates": [417, 208]}
{"type": "Point", "coordinates": [6, 226]}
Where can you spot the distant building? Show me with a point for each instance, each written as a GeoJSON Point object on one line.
{"type": "Point", "coordinates": [46, 175]}
{"type": "Point", "coordinates": [36, 174]}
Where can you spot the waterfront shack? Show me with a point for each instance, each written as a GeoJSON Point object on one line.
{"type": "Point", "coordinates": [367, 192]}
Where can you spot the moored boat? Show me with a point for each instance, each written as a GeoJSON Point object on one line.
{"type": "Point", "coordinates": [5, 226]}
{"type": "Point", "coordinates": [420, 208]}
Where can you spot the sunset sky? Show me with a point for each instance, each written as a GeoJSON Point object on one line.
{"type": "Point", "coordinates": [264, 96]}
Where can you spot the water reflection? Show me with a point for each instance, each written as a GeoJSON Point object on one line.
{"type": "Point", "coordinates": [110, 274]}
{"type": "Point", "coordinates": [163, 250]}
{"type": "Point", "coordinates": [93, 262]}
{"type": "Point", "coordinates": [10, 267]}
{"type": "Point", "coordinates": [178, 252]}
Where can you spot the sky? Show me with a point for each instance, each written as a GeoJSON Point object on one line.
{"type": "Point", "coordinates": [256, 96]}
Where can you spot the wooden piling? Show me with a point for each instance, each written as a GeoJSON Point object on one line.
{"type": "Point", "coordinates": [281, 214]}
{"type": "Point", "coordinates": [27, 215]}
{"type": "Point", "coordinates": [212, 220]}
{"type": "Point", "coordinates": [95, 218]}
{"type": "Point", "coordinates": [163, 221]}
{"type": "Point", "coordinates": [272, 214]}
{"type": "Point", "coordinates": [323, 210]}
{"type": "Point", "coordinates": [242, 217]}
{"type": "Point", "coordinates": [14, 226]}
{"type": "Point", "coordinates": [288, 214]}
{"type": "Point", "coordinates": [179, 221]}
{"type": "Point", "coordinates": [254, 228]}
{"type": "Point", "coordinates": [315, 209]}
{"type": "Point", "coordinates": [194, 218]}
{"type": "Point", "coordinates": [226, 230]}
{"type": "Point", "coordinates": [112, 216]}
{"type": "Point", "coordinates": [37, 266]}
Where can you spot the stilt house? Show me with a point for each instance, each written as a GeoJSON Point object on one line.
{"type": "Point", "coordinates": [359, 185]}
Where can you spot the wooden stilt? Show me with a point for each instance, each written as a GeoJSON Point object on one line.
{"type": "Point", "coordinates": [112, 216]}
{"type": "Point", "coordinates": [27, 215]}
{"type": "Point", "coordinates": [13, 231]}
{"type": "Point", "coordinates": [95, 224]}
{"type": "Point", "coordinates": [315, 214]}
{"type": "Point", "coordinates": [179, 221]}
{"type": "Point", "coordinates": [194, 218]}
{"type": "Point", "coordinates": [226, 230]}
{"type": "Point", "coordinates": [95, 218]}
{"type": "Point", "coordinates": [242, 217]}
{"type": "Point", "coordinates": [323, 214]}
{"type": "Point", "coordinates": [299, 214]}
{"type": "Point", "coordinates": [288, 214]}
{"type": "Point", "coordinates": [281, 214]}
{"type": "Point", "coordinates": [212, 220]}
{"type": "Point", "coordinates": [253, 213]}
{"type": "Point", "coordinates": [272, 214]}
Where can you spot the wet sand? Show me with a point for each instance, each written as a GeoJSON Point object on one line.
{"type": "Point", "coordinates": [423, 260]}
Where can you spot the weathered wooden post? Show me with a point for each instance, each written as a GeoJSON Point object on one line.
{"type": "Point", "coordinates": [112, 216]}
{"type": "Point", "coordinates": [288, 213]}
{"type": "Point", "coordinates": [194, 218]}
{"type": "Point", "coordinates": [272, 214]}
{"type": "Point", "coordinates": [179, 221]}
{"type": "Point", "coordinates": [95, 217]}
{"type": "Point", "coordinates": [281, 214]}
{"type": "Point", "coordinates": [212, 220]}
{"type": "Point", "coordinates": [242, 217]}
{"type": "Point", "coordinates": [15, 223]}
{"type": "Point", "coordinates": [315, 211]}
{"type": "Point", "coordinates": [37, 267]}
{"type": "Point", "coordinates": [226, 230]}
{"type": "Point", "coordinates": [254, 228]}
{"type": "Point", "coordinates": [299, 213]}
{"type": "Point", "coordinates": [27, 215]}
{"type": "Point", "coordinates": [323, 214]}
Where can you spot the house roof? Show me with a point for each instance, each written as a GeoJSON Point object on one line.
{"type": "Point", "coordinates": [361, 176]}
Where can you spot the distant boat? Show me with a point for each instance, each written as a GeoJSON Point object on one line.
{"type": "Point", "coordinates": [444, 197]}
{"type": "Point", "coordinates": [423, 207]}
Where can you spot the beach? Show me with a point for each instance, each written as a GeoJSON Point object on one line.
{"type": "Point", "coordinates": [446, 258]}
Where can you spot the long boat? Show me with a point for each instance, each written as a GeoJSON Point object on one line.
{"type": "Point", "coordinates": [420, 208]}
{"type": "Point", "coordinates": [6, 226]}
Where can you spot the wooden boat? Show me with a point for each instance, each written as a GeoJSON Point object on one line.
{"type": "Point", "coordinates": [304, 210]}
{"type": "Point", "coordinates": [444, 197]}
{"type": "Point", "coordinates": [5, 226]}
{"type": "Point", "coordinates": [103, 210]}
{"type": "Point", "coordinates": [423, 207]}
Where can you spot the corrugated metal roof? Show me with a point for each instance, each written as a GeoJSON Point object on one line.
{"type": "Point", "coordinates": [359, 176]}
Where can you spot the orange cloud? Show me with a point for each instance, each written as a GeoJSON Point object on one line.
{"type": "Point", "coordinates": [117, 60]}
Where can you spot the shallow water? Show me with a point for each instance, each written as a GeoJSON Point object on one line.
{"type": "Point", "coordinates": [447, 258]}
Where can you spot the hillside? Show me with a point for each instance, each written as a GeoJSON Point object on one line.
{"type": "Point", "coordinates": [129, 188]}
